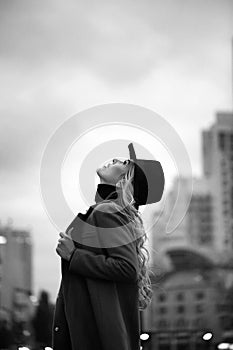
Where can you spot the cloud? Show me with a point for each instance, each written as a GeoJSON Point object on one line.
{"type": "Point", "coordinates": [112, 41]}
{"type": "Point", "coordinates": [119, 42]}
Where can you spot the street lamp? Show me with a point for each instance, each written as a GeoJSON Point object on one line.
{"type": "Point", "coordinates": [144, 336]}
{"type": "Point", "coordinates": [207, 336]}
{"type": "Point", "coordinates": [223, 346]}
{"type": "Point", "coordinates": [145, 341]}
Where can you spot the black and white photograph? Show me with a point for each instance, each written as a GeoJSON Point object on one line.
{"type": "Point", "coordinates": [116, 175]}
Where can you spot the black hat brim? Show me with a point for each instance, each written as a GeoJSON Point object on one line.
{"type": "Point", "coordinates": [148, 180]}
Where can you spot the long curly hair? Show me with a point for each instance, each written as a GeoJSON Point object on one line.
{"type": "Point", "coordinates": [125, 186]}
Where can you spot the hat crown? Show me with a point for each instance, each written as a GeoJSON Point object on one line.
{"type": "Point", "coordinates": [148, 180]}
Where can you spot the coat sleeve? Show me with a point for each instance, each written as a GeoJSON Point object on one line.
{"type": "Point", "coordinates": [121, 264]}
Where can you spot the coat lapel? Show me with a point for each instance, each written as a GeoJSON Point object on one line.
{"type": "Point", "coordinates": [84, 233]}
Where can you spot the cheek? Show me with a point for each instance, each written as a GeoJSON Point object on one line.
{"type": "Point", "coordinates": [115, 172]}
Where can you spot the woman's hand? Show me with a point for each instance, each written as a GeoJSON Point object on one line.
{"type": "Point", "coordinates": [65, 246]}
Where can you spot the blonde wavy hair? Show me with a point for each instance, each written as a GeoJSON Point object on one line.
{"type": "Point", "coordinates": [125, 185]}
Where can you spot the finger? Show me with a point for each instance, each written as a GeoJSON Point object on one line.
{"type": "Point", "coordinates": [69, 232]}
{"type": "Point", "coordinates": [62, 234]}
{"type": "Point", "coordinates": [58, 250]}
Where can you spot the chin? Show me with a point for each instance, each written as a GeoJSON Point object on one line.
{"type": "Point", "coordinates": [99, 172]}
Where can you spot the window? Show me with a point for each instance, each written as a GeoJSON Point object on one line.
{"type": "Point", "coordinates": [199, 308]}
{"type": "Point", "coordinates": [180, 296]}
{"type": "Point", "coordinates": [197, 322]}
{"type": "Point", "coordinates": [205, 237]}
{"type": "Point", "coordinates": [180, 323]}
{"type": "Point", "coordinates": [226, 322]}
{"type": "Point", "coordinates": [162, 324]}
{"type": "Point", "coordinates": [180, 309]}
{"type": "Point", "coordinates": [221, 308]}
{"type": "Point", "coordinates": [200, 295]}
{"type": "Point", "coordinates": [162, 297]}
{"type": "Point", "coordinates": [162, 310]}
{"type": "Point", "coordinates": [221, 140]}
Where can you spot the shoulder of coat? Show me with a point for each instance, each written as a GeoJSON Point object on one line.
{"type": "Point", "coordinates": [116, 212]}
{"type": "Point", "coordinates": [107, 206]}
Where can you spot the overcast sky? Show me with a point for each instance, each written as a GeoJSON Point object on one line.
{"type": "Point", "coordinates": [60, 57]}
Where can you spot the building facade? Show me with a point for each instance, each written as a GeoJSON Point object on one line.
{"type": "Point", "coordinates": [186, 305]}
{"type": "Point", "coordinates": [217, 147]}
{"type": "Point", "coordinates": [193, 279]}
{"type": "Point", "coordinates": [16, 274]}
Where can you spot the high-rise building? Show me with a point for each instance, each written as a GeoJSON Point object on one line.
{"type": "Point", "coordinates": [208, 223]}
{"type": "Point", "coordinates": [217, 146]}
{"type": "Point", "coordinates": [196, 228]}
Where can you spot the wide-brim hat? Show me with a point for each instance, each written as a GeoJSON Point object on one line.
{"type": "Point", "coordinates": [148, 179]}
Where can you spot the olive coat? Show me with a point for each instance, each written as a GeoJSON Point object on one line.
{"type": "Point", "coordinates": [97, 306]}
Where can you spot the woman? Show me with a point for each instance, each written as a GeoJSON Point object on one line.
{"type": "Point", "coordinates": [103, 287]}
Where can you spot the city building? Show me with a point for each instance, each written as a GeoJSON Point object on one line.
{"type": "Point", "coordinates": [15, 274]}
{"type": "Point", "coordinates": [187, 303]}
{"type": "Point", "coordinates": [195, 231]}
{"type": "Point", "coordinates": [217, 146]}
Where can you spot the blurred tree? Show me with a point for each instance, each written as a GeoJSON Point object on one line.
{"type": "Point", "coordinates": [42, 321]}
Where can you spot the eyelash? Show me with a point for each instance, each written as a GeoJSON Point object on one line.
{"type": "Point", "coordinates": [126, 162]}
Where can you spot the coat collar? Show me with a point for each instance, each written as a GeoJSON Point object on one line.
{"type": "Point", "coordinates": [105, 191]}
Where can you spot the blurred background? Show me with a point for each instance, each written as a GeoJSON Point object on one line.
{"type": "Point", "coordinates": [172, 56]}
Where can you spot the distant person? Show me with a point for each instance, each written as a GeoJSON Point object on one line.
{"type": "Point", "coordinates": [42, 321]}
{"type": "Point", "coordinates": [103, 288]}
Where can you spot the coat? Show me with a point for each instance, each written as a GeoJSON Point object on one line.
{"type": "Point", "coordinates": [97, 306]}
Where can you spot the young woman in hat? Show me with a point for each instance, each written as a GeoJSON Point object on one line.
{"type": "Point", "coordinates": [105, 278]}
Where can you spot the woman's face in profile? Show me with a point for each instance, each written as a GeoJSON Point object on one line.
{"type": "Point", "coordinates": [113, 171]}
